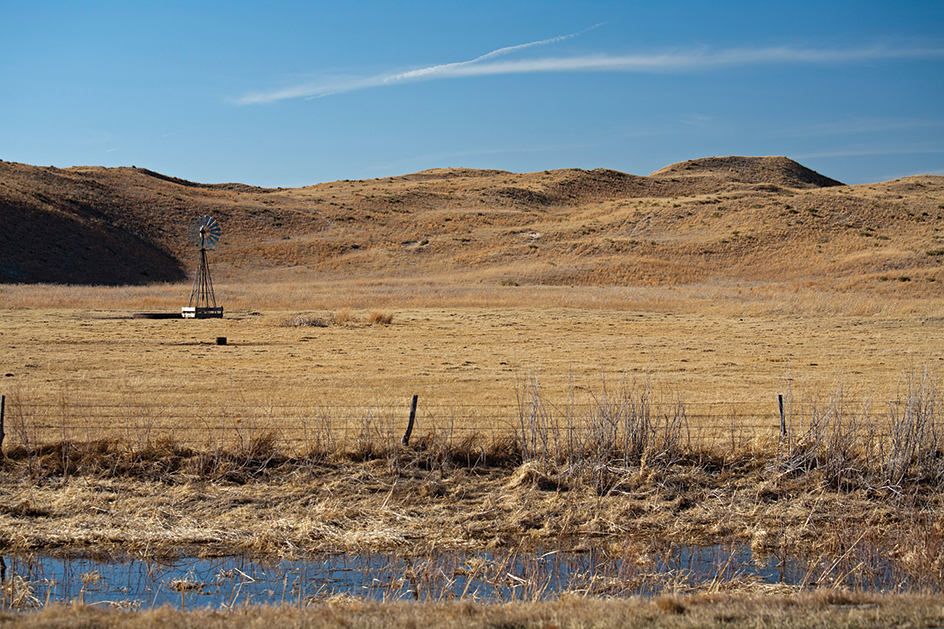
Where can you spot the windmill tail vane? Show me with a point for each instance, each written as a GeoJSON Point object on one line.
{"type": "Point", "coordinates": [204, 232]}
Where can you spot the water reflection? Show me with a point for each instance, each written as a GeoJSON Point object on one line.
{"type": "Point", "coordinates": [493, 576]}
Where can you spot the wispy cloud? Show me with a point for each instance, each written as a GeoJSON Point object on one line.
{"type": "Point", "coordinates": [455, 69]}
{"type": "Point", "coordinates": [674, 61]}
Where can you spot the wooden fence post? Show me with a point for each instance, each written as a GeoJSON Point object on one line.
{"type": "Point", "coordinates": [409, 426]}
{"type": "Point", "coordinates": [3, 406]}
{"type": "Point", "coordinates": [783, 418]}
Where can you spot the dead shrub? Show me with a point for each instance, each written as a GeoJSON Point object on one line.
{"type": "Point", "coordinates": [529, 475]}
{"type": "Point", "coordinates": [621, 427]}
{"type": "Point", "coordinates": [914, 447]}
{"type": "Point", "coordinates": [835, 442]}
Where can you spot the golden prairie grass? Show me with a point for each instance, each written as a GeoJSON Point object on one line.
{"type": "Point", "coordinates": [346, 297]}
{"type": "Point", "coordinates": [81, 377]}
{"type": "Point", "coordinates": [818, 609]}
{"type": "Point", "coordinates": [463, 362]}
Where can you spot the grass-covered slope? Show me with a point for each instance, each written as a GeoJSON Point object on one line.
{"type": "Point", "coordinates": [730, 219]}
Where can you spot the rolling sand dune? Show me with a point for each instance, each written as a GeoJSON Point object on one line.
{"type": "Point", "coordinates": [730, 219]}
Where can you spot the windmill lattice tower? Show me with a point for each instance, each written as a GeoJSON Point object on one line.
{"type": "Point", "coordinates": [204, 232]}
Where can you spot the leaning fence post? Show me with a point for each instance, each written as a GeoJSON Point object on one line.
{"type": "Point", "coordinates": [409, 426]}
{"type": "Point", "coordinates": [3, 406]}
{"type": "Point", "coordinates": [783, 419]}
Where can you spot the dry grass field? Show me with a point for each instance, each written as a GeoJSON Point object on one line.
{"type": "Point", "coordinates": [597, 358]}
{"type": "Point", "coordinates": [468, 365]}
{"type": "Point", "coordinates": [719, 281]}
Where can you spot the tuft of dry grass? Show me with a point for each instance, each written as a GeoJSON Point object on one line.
{"type": "Point", "coordinates": [380, 317]}
{"type": "Point", "coordinates": [670, 604]}
{"type": "Point", "coordinates": [343, 316]}
{"type": "Point", "coordinates": [304, 321]}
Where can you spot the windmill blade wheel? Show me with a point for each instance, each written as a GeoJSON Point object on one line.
{"type": "Point", "coordinates": [204, 232]}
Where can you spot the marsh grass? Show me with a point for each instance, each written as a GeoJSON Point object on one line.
{"type": "Point", "coordinates": [623, 430]}
{"type": "Point", "coordinates": [17, 593]}
{"type": "Point", "coordinates": [823, 608]}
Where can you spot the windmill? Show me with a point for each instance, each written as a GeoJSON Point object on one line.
{"type": "Point", "coordinates": [204, 232]}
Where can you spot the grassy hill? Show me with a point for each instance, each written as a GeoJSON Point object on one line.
{"type": "Point", "coordinates": [719, 219]}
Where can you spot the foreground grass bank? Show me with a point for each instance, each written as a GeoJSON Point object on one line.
{"type": "Point", "coordinates": [816, 609]}
{"type": "Point", "coordinates": [848, 489]}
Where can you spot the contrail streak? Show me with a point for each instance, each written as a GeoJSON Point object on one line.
{"type": "Point", "coordinates": [449, 67]}
{"type": "Point", "coordinates": [682, 60]}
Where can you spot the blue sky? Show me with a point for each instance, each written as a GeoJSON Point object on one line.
{"type": "Point", "coordinates": [296, 93]}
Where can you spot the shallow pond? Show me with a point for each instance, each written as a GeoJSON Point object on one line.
{"type": "Point", "coordinates": [486, 576]}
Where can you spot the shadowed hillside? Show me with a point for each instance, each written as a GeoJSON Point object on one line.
{"type": "Point", "coordinates": [729, 219]}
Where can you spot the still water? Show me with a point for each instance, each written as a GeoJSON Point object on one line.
{"type": "Point", "coordinates": [494, 576]}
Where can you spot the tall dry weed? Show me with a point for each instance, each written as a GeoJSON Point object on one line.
{"type": "Point", "coordinates": [319, 439]}
{"type": "Point", "coordinates": [620, 428]}
{"type": "Point", "coordinates": [834, 441]}
{"type": "Point", "coordinates": [850, 446]}
{"type": "Point", "coordinates": [915, 424]}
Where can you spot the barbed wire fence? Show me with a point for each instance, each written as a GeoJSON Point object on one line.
{"type": "Point", "coordinates": [842, 437]}
{"type": "Point", "coordinates": [29, 422]}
